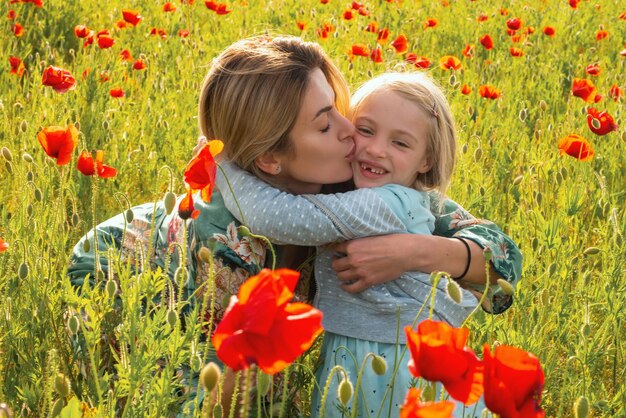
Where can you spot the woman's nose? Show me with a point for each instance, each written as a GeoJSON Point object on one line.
{"type": "Point", "coordinates": [346, 128]}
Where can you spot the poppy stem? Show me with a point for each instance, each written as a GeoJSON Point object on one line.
{"type": "Point", "coordinates": [243, 219]}
{"type": "Point", "coordinates": [334, 370]}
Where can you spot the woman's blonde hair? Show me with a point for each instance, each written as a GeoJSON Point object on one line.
{"type": "Point", "coordinates": [252, 95]}
{"type": "Point", "coordinates": [428, 96]}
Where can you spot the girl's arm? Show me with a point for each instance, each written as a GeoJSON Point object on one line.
{"type": "Point", "coordinates": [304, 219]}
{"type": "Point", "coordinates": [374, 260]}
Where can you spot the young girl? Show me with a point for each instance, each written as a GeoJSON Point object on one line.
{"type": "Point", "coordinates": [404, 157]}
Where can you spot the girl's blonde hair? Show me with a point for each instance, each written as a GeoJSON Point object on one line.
{"type": "Point", "coordinates": [252, 95]}
{"type": "Point", "coordinates": [428, 96]}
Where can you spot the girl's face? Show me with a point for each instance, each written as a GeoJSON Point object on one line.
{"type": "Point", "coordinates": [391, 141]}
{"type": "Point", "coordinates": [322, 144]}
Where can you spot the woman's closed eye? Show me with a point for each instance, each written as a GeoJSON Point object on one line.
{"type": "Point", "coordinates": [326, 129]}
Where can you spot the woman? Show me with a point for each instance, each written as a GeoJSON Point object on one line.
{"type": "Point", "coordinates": [272, 101]}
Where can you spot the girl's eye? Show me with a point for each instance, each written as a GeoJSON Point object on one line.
{"type": "Point", "coordinates": [326, 129]}
{"type": "Point", "coordinates": [401, 144]}
{"type": "Point", "coordinates": [364, 130]}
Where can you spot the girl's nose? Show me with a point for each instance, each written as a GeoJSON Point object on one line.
{"type": "Point", "coordinates": [375, 148]}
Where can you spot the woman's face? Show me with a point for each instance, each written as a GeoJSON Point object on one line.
{"type": "Point", "coordinates": [321, 139]}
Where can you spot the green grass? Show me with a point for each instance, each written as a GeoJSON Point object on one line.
{"type": "Point", "coordinates": [570, 304]}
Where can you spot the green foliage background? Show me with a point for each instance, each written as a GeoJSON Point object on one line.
{"type": "Point", "coordinates": [568, 217]}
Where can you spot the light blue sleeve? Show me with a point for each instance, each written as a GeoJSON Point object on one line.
{"type": "Point", "coordinates": [412, 207]}
{"type": "Point", "coordinates": [304, 219]}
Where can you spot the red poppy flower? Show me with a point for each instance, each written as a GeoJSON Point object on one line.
{"type": "Point", "coordinates": [574, 3]}
{"type": "Point", "coordinates": [120, 24]}
{"type": "Point", "coordinates": [435, 344]}
{"type": "Point", "coordinates": [414, 408]}
{"type": "Point", "coordinates": [377, 55]}
{"type": "Point", "coordinates": [105, 40]}
{"type": "Point", "coordinates": [131, 17]}
{"type": "Point", "coordinates": [576, 146]}
{"type": "Point", "coordinates": [465, 89]}
{"type": "Point", "coordinates": [82, 31]}
{"type": "Point", "coordinates": [615, 92]}
{"type": "Point", "coordinates": [183, 33]}
{"type": "Point", "coordinates": [3, 245]}
{"type": "Point", "coordinates": [593, 69]}
{"type": "Point", "coordinates": [17, 66]}
{"type": "Point", "coordinates": [301, 25]}
{"type": "Point", "coordinates": [468, 51]}
{"type": "Point", "coordinates": [58, 142]}
{"type": "Point", "coordinates": [489, 92]}
{"type": "Point", "coordinates": [598, 98]}
{"type": "Point", "coordinates": [17, 29]}
{"type": "Point", "coordinates": [169, 7]}
{"type": "Point", "coordinates": [622, 16]}
{"type": "Point", "coordinates": [584, 89]}
{"type": "Point", "coordinates": [261, 327]}
{"type": "Point", "coordinates": [513, 382]}
{"type": "Point", "coordinates": [186, 209]}
{"type": "Point", "coordinates": [549, 30]}
{"type": "Point", "coordinates": [347, 15]}
{"type": "Point", "coordinates": [383, 36]}
{"type": "Point", "coordinates": [219, 8]}
{"type": "Point", "coordinates": [104, 76]}
{"type": "Point", "coordinates": [529, 30]}
{"type": "Point", "coordinates": [604, 122]}
{"type": "Point", "coordinates": [516, 52]}
{"type": "Point", "coordinates": [359, 50]}
{"type": "Point", "coordinates": [514, 23]}
{"type": "Point", "coordinates": [623, 52]}
{"type": "Point", "coordinates": [88, 40]}
{"type": "Point", "coordinates": [324, 1]}
{"type": "Point", "coordinates": [423, 63]}
{"type": "Point", "coordinates": [139, 64]}
{"type": "Point", "coordinates": [125, 55]}
{"type": "Point", "coordinates": [503, 11]}
{"type": "Point", "coordinates": [601, 34]}
{"type": "Point", "coordinates": [482, 17]}
{"type": "Point", "coordinates": [160, 32]}
{"type": "Point", "coordinates": [363, 11]}
{"type": "Point", "coordinates": [400, 44]}
{"type": "Point", "coordinates": [59, 79]}
{"type": "Point", "coordinates": [356, 5]}
{"type": "Point", "coordinates": [430, 23]}
{"type": "Point", "coordinates": [201, 170]}
{"type": "Point", "coordinates": [11, 14]}
{"type": "Point", "coordinates": [88, 167]}
{"type": "Point", "coordinates": [487, 42]}
{"type": "Point", "coordinates": [117, 92]}
{"type": "Point", "coordinates": [325, 31]}
{"type": "Point", "coordinates": [450, 62]}
{"type": "Point", "coordinates": [372, 27]}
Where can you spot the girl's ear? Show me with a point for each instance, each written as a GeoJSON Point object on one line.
{"type": "Point", "coordinates": [426, 165]}
{"type": "Point", "coordinates": [268, 163]}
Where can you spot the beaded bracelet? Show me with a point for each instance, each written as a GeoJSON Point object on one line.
{"type": "Point", "coordinates": [469, 258]}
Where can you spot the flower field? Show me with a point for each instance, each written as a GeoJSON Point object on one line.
{"type": "Point", "coordinates": [98, 113]}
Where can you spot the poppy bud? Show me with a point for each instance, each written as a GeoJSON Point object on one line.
{"type": "Point", "coordinates": [29, 210]}
{"type": "Point", "coordinates": [217, 411]}
{"type": "Point", "coordinates": [517, 180]}
{"type": "Point", "coordinates": [464, 148]}
{"type": "Point", "coordinates": [62, 385]}
{"type": "Point", "coordinates": [9, 167]}
{"type": "Point", "coordinates": [22, 271]}
{"type": "Point", "coordinates": [624, 136]}
{"type": "Point", "coordinates": [523, 114]}
{"type": "Point", "coordinates": [344, 391]}
{"type": "Point", "coordinates": [379, 365]}
{"type": "Point", "coordinates": [73, 324]}
{"type": "Point", "coordinates": [543, 105]}
{"type": "Point", "coordinates": [581, 407]}
{"type": "Point", "coordinates": [506, 287]}
{"type": "Point", "coordinates": [169, 201]}
{"type": "Point", "coordinates": [75, 219]}
{"type": "Point", "coordinates": [452, 80]}
{"type": "Point", "coordinates": [23, 126]}
{"type": "Point", "coordinates": [263, 381]}
{"type": "Point", "coordinates": [87, 245]}
{"type": "Point", "coordinates": [29, 176]}
{"type": "Point", "coordinates": [574, 260]}
{"type": "Point", "coordinates": [111, 288]}
{"type": "Point", "coordinates": [204, 254]}
{"type": "Point", "coordinates": [481, 190]}
{"type": "Point", "coordinates": [585, 330]}
{"type": "Point", "coordinates": [591, 251]}
{"type": "Point", "coordinates": [552, 269]}
{"type": "Point", "coordinates": [209, 376]}
{"type": "Point", "coordinates": [454, 291]}
{"type": "Point", "coordinates": [38, 195]}
{"type": "Point", "coordinates": [538, 198]}
{"type": "Point", "coordinates": [27, 157]}
{"type": "Point", "coordinates": [57, 407]}
{"type": "Point", "coordinates": [429, 392]}
{"type": "Point", "coordinates": [478, 154]}
{"type": "Point", "coordinates": [6, 153]}
{"type": "Point", "coordinates": [195, 362]}
{"type": "Point", "coordinates": [172, 318]}
{"type": "Point", "coordinates": [243, 231]}
{"type": "Point", "coordinates": [129, 215]}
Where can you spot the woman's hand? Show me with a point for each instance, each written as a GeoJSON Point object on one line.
{"type": "Point", "coordinates": [375, 260]}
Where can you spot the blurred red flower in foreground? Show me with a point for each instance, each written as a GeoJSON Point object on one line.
{"type": "Point", "coordinates": [58, 142]}
{"type": "Point", "coordinates": [201, 170]}
{"type": "Point", "coordinates": [489, 92]}
{"type": "Point", "coordinates": [576, 146]}
{"type": "Point", "coordinates": [86, 165]}
{"type": "Point", "coordinates": [414, 408]}
{"type": "Point", "coordinates": [186, 209]}
{"type": "Point", "coordinates": [17, 66]}
{"type": "Point", "coordinates": [450, 62]}
{"type": "Point", "coordinates": [513, 382]}
{"type": "Point", "coordinates": [584, 89]}
{"type": "Point", "coordinates": [603, 124]}
{"type": "Point", "coordinates": [131, 17]}
{"type": "Point", "coordinates": [3, 245]}
{"type": "Point", "coordinates": [261, 327]}
{"type": "Point", "coordinates": [436, 343]}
